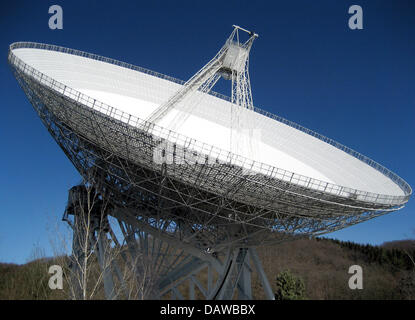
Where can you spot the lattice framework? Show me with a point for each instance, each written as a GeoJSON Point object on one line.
{"type": "Point", "coordinates": [211, 214]}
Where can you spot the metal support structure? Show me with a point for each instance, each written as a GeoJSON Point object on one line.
{"type": "Point", "coordinates": [231, 62]}
{"type": "Point", "coordinates": [185, 207]}
{"type": "Point", "coordinates": [244, 282]}
{"type": "Point", "coordinates": [271, 208]}
{"type": "Point", "coordinates": [178, 266]}
{"type": "Point", "coordinates": [90, 227]}
{"type": "Point", "coordinates": [235, 280]}
{"type": "Point", "coordinates": [176, 221]}
{"type": "Point", "coordinates": [269, 294]}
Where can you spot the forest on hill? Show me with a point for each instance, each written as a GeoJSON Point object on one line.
{"type": "Point", "coordinates": [306, 268]}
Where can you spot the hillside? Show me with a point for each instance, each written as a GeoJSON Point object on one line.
{"type": "Point", "coordinates": [408, 245]}
{"type": "Point", "coordinates": [322, 264]}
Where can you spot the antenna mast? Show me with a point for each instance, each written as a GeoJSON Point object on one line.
{"type": "Point", "coordinates": [230, 63]}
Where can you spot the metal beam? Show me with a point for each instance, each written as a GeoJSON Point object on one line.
{"type": "Point", "coordinates": [269, 294]}
{"type": "Point", "coordinates": [127, 215]}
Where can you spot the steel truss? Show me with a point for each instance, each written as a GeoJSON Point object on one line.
{"type": "Point", "coordinates": [144, 248]}
{"type": "Point", "coordinates": [185, 218]}
{"type": "Point", "coordinates": [231, 62]}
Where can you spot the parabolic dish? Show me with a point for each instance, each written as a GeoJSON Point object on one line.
{"type": "Point", "coordinates": [287, 157]}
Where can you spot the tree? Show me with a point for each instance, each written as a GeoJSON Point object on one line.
{"type": "Point", "coordinates": [289, 287]}
{"type": "Point", "coordinates": [407, 282]}
{"type": "Point", "coordinates": [99, 266]}
{"type": "Point", "coordinates": [92, 254]}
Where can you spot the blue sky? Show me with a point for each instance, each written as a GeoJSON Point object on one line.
{"type": "Point", "coordinates": [354, 86]}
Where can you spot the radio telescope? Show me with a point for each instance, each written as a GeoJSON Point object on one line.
{"type": "Point", "coordinates": [195, 179]}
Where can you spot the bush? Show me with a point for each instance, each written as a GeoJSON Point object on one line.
{"type": "Point", "coordinates": [289, 287]}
